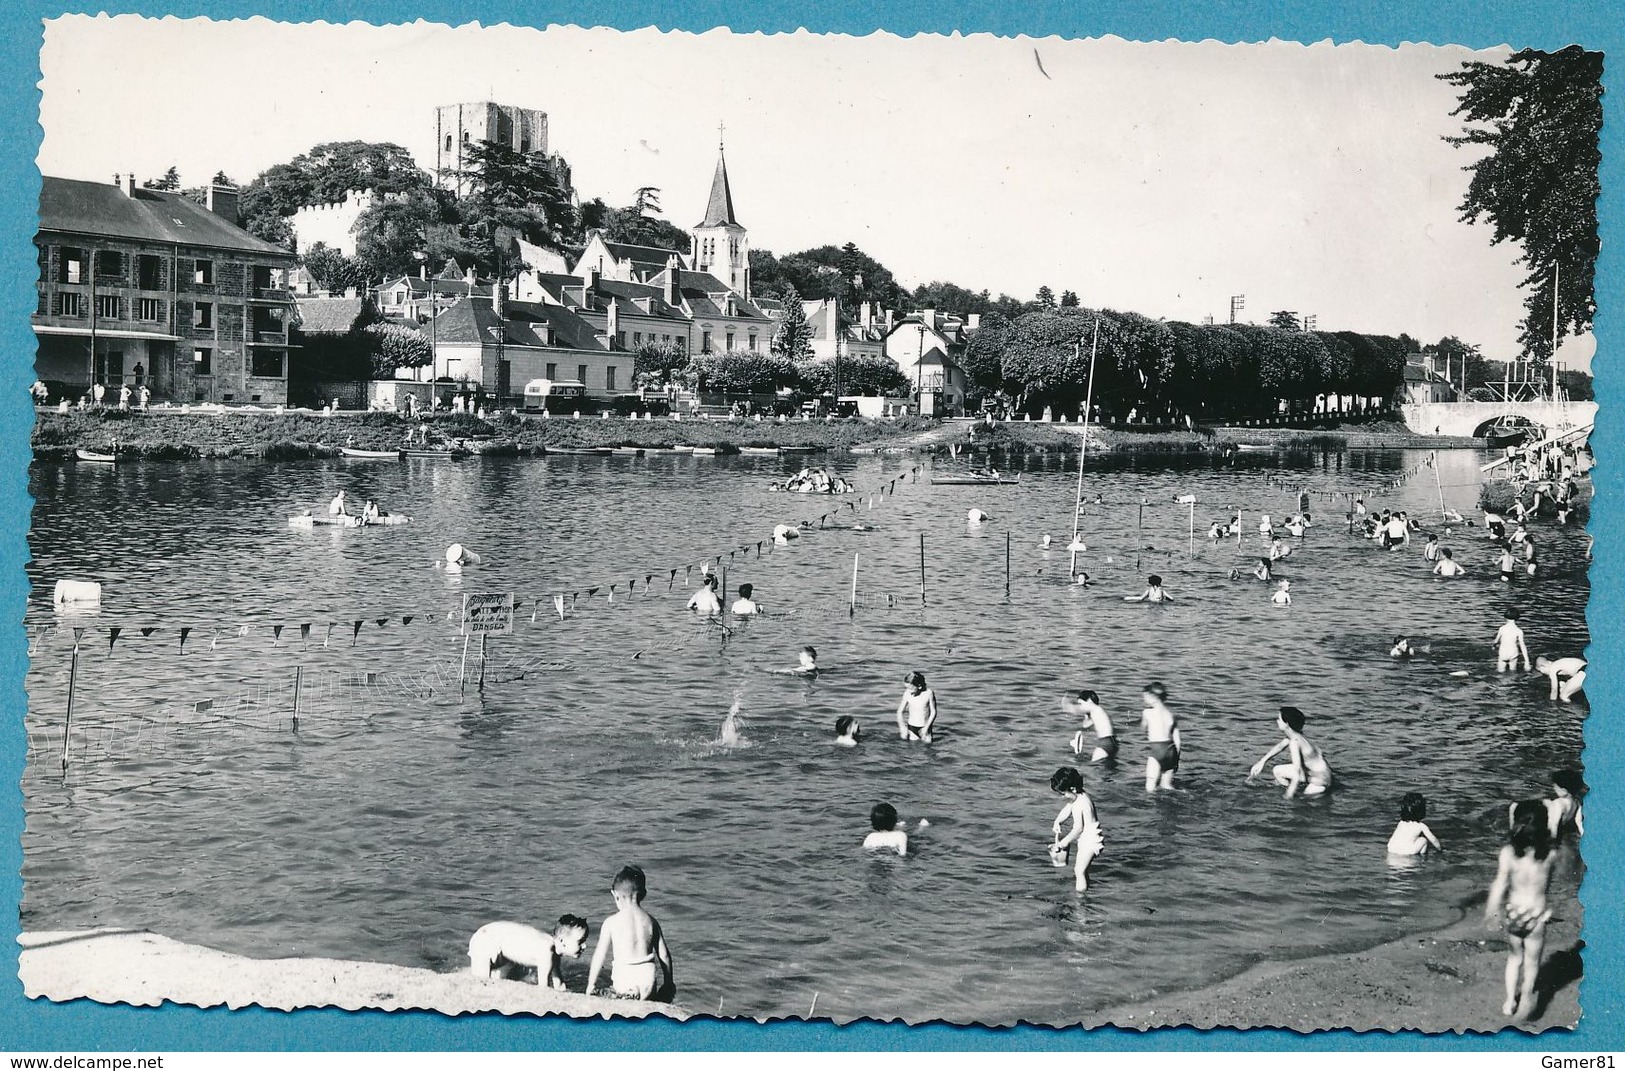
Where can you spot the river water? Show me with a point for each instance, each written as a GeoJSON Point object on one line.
{"type": "Point", "coordinates": [403, 814]}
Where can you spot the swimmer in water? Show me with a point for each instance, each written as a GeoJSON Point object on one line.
{"type": "Point", "coordinates": [1509, 645]}
{"type": "Point", "coordinates": [1401, 648]}
{"type": "Point", "coordinates": [1448, 566]}
{"type": "Point", "coordinates": [705, 600]}
{"type": "Point", "coordinates": [886, 835]}
{"type": "Point", "coordinates": [1431, 551]}
{"type": "Point", "coordinates": [807, 661]}
{"type": "Point", "coordinates": [1086, 705]}
{"type": "Point", "coordinates": [1283, 594]}
{"type": "Point", "coordinates": [847, 731]}
{"type": "Point", "coordinates": [1162, 733]}
{"type": "Point", "coordinates": [1152, 593]}
{"type": "Point", "coordinates": [640, 962]}
{"type": "Point", "coordinates": [1518, 895]}
{"type": "Point", "coordinates": [1412, 835]}
{"type": "Point", "coordinates": [1085, 832]}
{"type": "Point", "coordinates": [1307, 771]}
{"type": "Point", "coordinates": [1568, 676]}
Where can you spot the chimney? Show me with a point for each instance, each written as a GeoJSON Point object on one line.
{"type": "Point", "coordinates": [612, 327]}
{"type": "Point", "coordinates": [888, 321]}
{"type": "Point", "coordinates": [866, 314]}
{"type": "Point", "coordinates": [128, 185]}
{"type": "Point", "coordinates": [222, 201]}
{"type": "Point", "coordinates": [672, 269]}
{"type": "Point", "coordinates": [499, 300]}
{"type": "Point", "coordinates": [350, 292]}
{"type": "Point", "coordinates": [930, 318]}
{"type": "Point", "coordinates": [973, 321]}
{"type": "Point", "coordinates": [468, 277]}
{"type": "Point", "coordinates": [593, 277]}
{"type": "Point", "coordinates": [423, 270]}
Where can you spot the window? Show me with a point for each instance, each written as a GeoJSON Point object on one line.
{"type": "Point", "coordinates": [524, 143]}
{"type": "Point", "coordinates": [682, 343]}
{"type": "Point", "coordinates": [70, 304]}
{"type": "Point", "coordinates": [705, 341]}
{"type": "Point", "coordinates": [753, 342]}
{"type": "Point", "coordinates": [637, 338]}
{"type": "Point", "coordinates": [110, 264]}
{"type": "Point", "coordinates": [108, 306]}
{"type": "Point", "coordinates": [71, 265]}
{"type": "Point", "coordinates": [552, 370]}
{"type": "Point", "coordinates": [609, 378]}
{"type": "Point", "coordinates": [267, 364]}
{"type": "Point", "coordinates": [620, 340]}
{"type": "Point", "coordinates": [448, 143]}
{"type": "Point", "coordinates": [465, 137]}
{"type": "Point", "coordinates": [149, 310]}
{"type": "Point", "coordinates": [203, 273]}
{"type": "Point", "coordinates": [581, 374]}
{"type": "Point", "coordinates": [262, 277]}
{"type": "Point", "coordinates": [730, 341]}
{"type": "Point", "coordinates": [203, 318]}
{"type": "Point", "coordinates": [149, 272]}
{"type": "Point", "coordinates": [203, 361]}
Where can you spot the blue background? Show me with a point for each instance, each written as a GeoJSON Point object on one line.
{"type": "Point", "coordinates": [39, 1025]}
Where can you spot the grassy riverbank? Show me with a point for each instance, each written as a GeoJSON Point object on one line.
{"type": "Point", "coordinates": [170, 434]}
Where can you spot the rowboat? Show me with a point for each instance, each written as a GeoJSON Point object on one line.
{"type": "Point", "coordinates": [435, 453]}
{"type": "Point", "coordinates": [975, 479]}
{"type": "Point", "coordinates": [705, 451]}
{"type": "Point", "coordinates": [91, 455]}
{"type": "Point", "coordinates": [591, 452]}
{"type": "Point", "coordinates": [377, 455]}
{"type": "Point", "coordinates": [307, 520]}
{"type": "Point", "coordinates": [627, 451]}
{"type": "Point", "coordinates": [773, 450]}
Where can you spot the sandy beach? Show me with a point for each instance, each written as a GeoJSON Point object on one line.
{"type": "Point", "coordinates": [1449, 980]}
{"type": "Point", "coordinates": [146, 969]}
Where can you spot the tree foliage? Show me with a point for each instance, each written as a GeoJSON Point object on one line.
{"type": "Point", "coordinates": [1536, 118]}
{"type": "Point", "coordinates": [514, 194]}
{"type": "Point", "coordinates": [984, 356]}
{"type": "Point", "coordinates": [792, 340]}
{"type": "Point", "coordinates": [170, 181]}
{"type": "Point", "coordinates": [323, 175]}
{"type": "Point", "coordinates": [658, 364]}
{"type": "Point", "coordinates": [395, 346]}
{"type": "Point", "coordinates": [1045, 298]}
{"type": "Point", "coordinates": [332, 270]}
{"type": "Point", "coordinates": [1286, 320]}
{"type": "Point", "coordinates": [744, 372]}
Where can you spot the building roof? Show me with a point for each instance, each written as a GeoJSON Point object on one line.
{"type": "Point", "coordinates": [73, 206]}
{"type": "Point", "coordinates": [719, 211]}
{"type": "Point", "coordinates": [331, 315]}
{"type": "Point", "coordinates": [642, 254]}
{"type": "Point", "coordinates": [471, 322]}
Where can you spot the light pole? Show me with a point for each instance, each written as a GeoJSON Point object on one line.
{"type": "Point", "coordinates": [1237, 303]}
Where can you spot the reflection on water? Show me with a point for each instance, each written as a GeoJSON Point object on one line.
{"type": "Point", "coordinates": [404, 813]}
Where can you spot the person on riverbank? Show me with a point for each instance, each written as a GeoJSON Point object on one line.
{"type": "Point", "coordinates": [705, 600]}
{"type": "Point", "coordinates": [1085, 832]}
{"type": "Point", "coordinates": [1153, 592]}
{"type": "Point", "coordinates": [1307, 771]}
{"type": "Point", "coordinates": [1564, 815]}
{"type": "Point", "coordinates": [631, 939]}
{"type": "Point", "coordinates": [884, 834]}
{"type": "Point", "coordinates": [1509, 645]}
{"type": "Point", "coordinates": [1448, 565]}
{"type": "Point", "coordinates": [847, 731]}
{"type": "Point", "coordinates": [1412, 835]}
{"type": "Point", "coordinates": [1568, 676]}
{"type": "Point", "coordinates": [1518, 895]}
{"type": "Point", "coordinates": [1086, 705]}
{"type": "Point", "coordinates": [917, 711]}
{"type": "Point", "coordinates": [507, 949]}
{"type": "Point", "coordinates": [745, 606]}
{"type": "Point", "coordinates": [1162, 734]}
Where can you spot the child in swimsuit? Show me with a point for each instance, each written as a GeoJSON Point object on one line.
{"type": "Point", "coordinates": [641, 967]}
{"type": "Point", "coordinates": [1431, 551]}
{"type": "Point", "coordinates": [1283, 594]}
{"type": "Point", "coordinates": [847, 731]}
{"type": "Point", "coordinates": [1085, 831]}
{"type": "Point", "coordinates": [1448, 566]}
{"type": "Point", "coordinates": [1087, 706]}
{"type": "Point", "coordinates": [1412, 836]}
{"type": "Point", "coordinates": [917, 712]}
{"type": "Point", "coordinates": [1401, 648]}
{"type": "Point", "coordinates": [1519, 895]}
{"type": "Point", "coordinates": [509, 949]}
{"type": "Point", "coordinates": [1509, 645]}
{"type": "Point", "coordinates": [1308, 770]}
{"type": "Point", "coordinates": [886, 835]}
{"type": "Point", "coordinates": [1162, 733]}
{"type": "Point", "coordinates": [1153, 592]}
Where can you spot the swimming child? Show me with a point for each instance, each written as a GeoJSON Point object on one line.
{"type": "Point", "coordinates": [1279, 550]}
{"type": "Point", "coordinates": [1215, 532]}
{"type": "Point", "coordinates": [1308, 770]}
{"type": "Point", "coordinates": [705, 600]}
{"type": "Point", "coordinates": [1087, 705]}
{"type": "Point", "coordinates": [745, 606]}
{"type": "Point", "coordinates": [917, 712]}
{"type": "Point", "coordinates": [1567, 675]}
{"type": "Point", "coordinates": [1518, 893]}
{"type": "Point", "coordinates": [847, 731]}
{"type": "Point", "coordinates": [511, 949]}
{"type": "Point", "coordinates": [337, 508]}
{"type": "Point", "coordinates": [807, 661]}
{"type": "Point", "coordinates": [1152, 593]}
{"type": "Point", "coordinates": [1448, 566]}
{"type": "Point", "coordinates": [886, 835]}
{"type": "Point", "coordinates": [1162, 733]}
{"type": "Point", "coordinates": [1085, 832]}
{"type": "Point", "coordinates": [1507, 563]}
{"type": "Point", "coordinates": [1509, 645]}
{"type": "Point", "coordinates": [1261, 571]}
{"type": "Point", "coordinates": [1283, 594]}
{"type": "Point", "coordinates": [1401, 648]}
{"type": "Point", "coordinates": [1412, 836]}
{"type": "Point", "coordinates": [1431, 551]}
{"type": "Point", "coordinates": [640, 963]}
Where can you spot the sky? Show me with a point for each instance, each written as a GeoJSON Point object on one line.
{"type": "Point", "coordinates": [1162, 178]}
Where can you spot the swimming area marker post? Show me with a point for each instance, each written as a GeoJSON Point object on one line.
{"type": "Point", "coordinates": [1006, 563]}
{"type": "Point", "coordinates": [298, 681]}
{"type": "Point", "coordinates": [852, 607]}
{"type": "Point", "coordinates": [73, 681]}
{"type": "Point", "coordinates": [922, 568]}
{"type": "Point", "coordinates": [1083, 450]}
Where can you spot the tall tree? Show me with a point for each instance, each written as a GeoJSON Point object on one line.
{"type": "Point", "coordinates": [1286, 320]}
{"type": "Point", "coordinates": [1045, 298]}
{"type": "Point", "coordinates": [1069, 299]}
{"type": "Point", "coordinates": [793, 339]}
{"type": "Point", "coordinates": [515, 193]}
{"type": "Point", "coordinates": [333, 271]}
{"type": "Point", "coordinates": [171, 180]}
{"type": "Point", "coordinates": [1536, 118]}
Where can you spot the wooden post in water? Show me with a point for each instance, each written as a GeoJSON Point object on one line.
{"type": "Point", "coordinates": [73, 681]}
{"type": "Point", "coordinates": [462, 670]}
{"type": "Point", "coordinates": [1007, 563]}
{"type": "Point", "coordinates": [482, 660]}
{"type": "Point", "coordinates": [922, 568]}
{"type": "Point", "coordinates": [1083, 447]}
{"type": "Point", "coordinates": [298, 682]}
{"type": "Point", "coordinates": [852, 607]}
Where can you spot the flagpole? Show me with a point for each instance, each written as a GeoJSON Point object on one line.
{"type": "Point", "coordinates": [1088, 404]}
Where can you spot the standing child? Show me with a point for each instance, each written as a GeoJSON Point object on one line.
{"type": "Point", "coordinates": [1431, 551]}
{"type": "Point", "coordinates": [1153, 592]}
{"type": "Point", "coordinates": [1448, 566]}
{"type": "Point", "coordinates": [1085, 831]}
{"type": "Point", "coordinates": [640, 963]}
{"type": "Point", "coordinates": [1087, 706]}
{"type": "Point", "coordinates": [886, 835]}
{"type": "Point", "coordinates": [506, 949]}
{"type": "Point", "coordinates": [1509, 645]}
{"type": "Point", "coordinates": [1412, 836]}
{"type": "Point", "coordinates": [1508, 564]}
{"type": "Point", "coordinates": [917, 712]}
{"type": "Point", "coordinates": [1520, 884]}
{"type": "Point", "coordinates": [1162, 733]}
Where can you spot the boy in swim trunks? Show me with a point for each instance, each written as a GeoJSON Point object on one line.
{"type": "Point", "coordinates": [1308, 771]}
{"type": "Point", "coordinates": [1519, 895]}
{"type": "Point", "coordinates": [641, 966]}
{"type": "Point", "coordinates": [1162, 732]}
{"type": "Point", "coordinates": [1448, 566]}
{"type": "Point", "coordinates": [1085, 825]}
{"type": "Point", "coordinates": [1509, 645]}
{"type": "Point", "coordinates": [511, 949]}
{"type": "Point", "coordinates": [1087, 706]}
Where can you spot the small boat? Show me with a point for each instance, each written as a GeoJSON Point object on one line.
{"type": "Point", "coordinates": [436, 453]}
{"type": "Point", "coordinates": [92, 455]}
{"type": "Point", "coordinates": [378, 455]}
{"type": "Point", "coordinates": [1499, 436]}
{"type": "Point", "coordinates": [705, 451]}
{"type": "Point", "coordinates": [1253, 446]}
{"type": "Point", "coordinates": [324, 520]}
{"type": "Point", "coordinates": [771, 450]}
{"type": "Point", "coordinates": [627, 451]}
{"type": "Point", "coordinates": [976, 479]}
{"type": "Point", "coordinates": [800, 449]}
{"type": "Point", "coordinates": [682, 449]}
{"type": "Point", "coordinates": [596, 451]}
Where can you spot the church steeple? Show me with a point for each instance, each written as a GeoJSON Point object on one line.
{"type": "Point", "coordinates": [720, 244]}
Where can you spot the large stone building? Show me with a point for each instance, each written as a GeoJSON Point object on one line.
{"type": "Point", "coordinates": [151, 288]}
{"type": "Point", "coordinates": [459, 126]}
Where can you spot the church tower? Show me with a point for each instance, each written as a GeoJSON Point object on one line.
{"type": "Point", "coordinates": [720, 243]}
